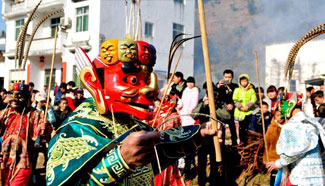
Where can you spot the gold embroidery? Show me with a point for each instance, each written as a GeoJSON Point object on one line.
{"type": "Point", "coordinates": [115, 165]}
{"type": "Point", "coordinates": [66, 149]}
{"type": "Point", "coordinates": [89, 111]}
{"type": "Point", "coordinates": [142, 176]}
{"type": "Point", "coordinates": [174, 133]}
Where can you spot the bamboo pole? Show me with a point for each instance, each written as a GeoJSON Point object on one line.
{"type": "Point", "coordinates": [208, 77]}
{"type": "Point", "coordinates": [51, 73]}
{"type": "Point", "coordinates": [260, 98]}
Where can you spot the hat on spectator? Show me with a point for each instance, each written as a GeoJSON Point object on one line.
{"type": "Point", "coordinates": [39, 97]}
{"type": "Point", "coordinates": [80, 91]}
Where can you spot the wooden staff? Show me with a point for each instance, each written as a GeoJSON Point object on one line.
{"type": "Point", "coordinates": [208, 78]}
{"type": "Point", "coordinates": [260, 98]}
{"type": "Point", "coordinates": [51, 73]}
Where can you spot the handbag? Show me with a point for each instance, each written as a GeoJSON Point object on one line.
{"type": "Point", "coordinates": [223, 113]}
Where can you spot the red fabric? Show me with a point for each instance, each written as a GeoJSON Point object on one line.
{"type": "Point", "coordinates": [16, 125]}
{"type": "Point", "coordinates": [289, 183]}
{"type": "Point", "coordinates": [56, 88]}
{"type": "Point", "coordinates": [171, 177]}
{"type": "Point", "coordinates": [71, 102]}
{"type": "Point", "coordinates": [274, 105]}
{"type": "Point", "coordinates": [20, 179]}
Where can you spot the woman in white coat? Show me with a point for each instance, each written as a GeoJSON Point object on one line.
{"type": "Point", "coordinates": [189, 101]}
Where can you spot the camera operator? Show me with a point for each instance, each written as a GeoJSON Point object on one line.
{"type": "Point", "coordinates": [225, 89]}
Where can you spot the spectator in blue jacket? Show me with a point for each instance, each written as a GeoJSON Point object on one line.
{"type": "Point", "coordinates": [256, 120]}
{"type": "Point", "coordinates": [58, 95]}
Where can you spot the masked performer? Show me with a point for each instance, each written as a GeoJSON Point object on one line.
{"type": "Point", "coordinates": [298, 145]}
{"type": "Point", "coordinates": [20, 127]}
{"type": "Point", "coordinates": [104, 141]}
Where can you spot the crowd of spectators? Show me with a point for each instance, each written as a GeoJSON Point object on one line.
{"type": "Point", "coordinates": [238, 107]}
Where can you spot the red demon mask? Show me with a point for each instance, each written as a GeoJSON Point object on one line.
{"type": "Point", "coordinates": [144, 52]}
{"type": "Point", "coordinates": [124, 87]}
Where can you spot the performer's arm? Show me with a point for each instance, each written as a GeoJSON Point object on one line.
{"type": "Point", "coordinates": [110, 170]}
{"type": "Point", "coordinates": [286, 160]}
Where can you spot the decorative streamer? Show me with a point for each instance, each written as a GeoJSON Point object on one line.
{"type": "Point", "coordinates": [313, 33]}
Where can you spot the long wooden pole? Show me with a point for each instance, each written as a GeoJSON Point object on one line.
{"type": "Point", "coordinates": [51, 73]}
{"type": "Point", "coordinates": [208, 77]}
{"type": "Point", "coordinates": [260, 98]}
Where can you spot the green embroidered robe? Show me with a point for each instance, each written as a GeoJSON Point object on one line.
{"type": "Point", "coordinates": [85, 150]}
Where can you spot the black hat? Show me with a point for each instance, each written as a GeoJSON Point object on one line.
{"type": "Point", "coordinates": [190, 79]}
{"type": "Point", "coordinates": [80, 91]}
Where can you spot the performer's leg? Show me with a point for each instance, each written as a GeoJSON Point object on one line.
{"type": "Point", "coordinates": [214, 176]}
{"type": "Point", "coordinates": [273, 176]}
{"type": "Point", "coordinates": [4, 176]}
{"type": "Point", "coordinates": [188, 163]}
{"type": "Point", "coordinates": [202, 161]}
{"type": "Point", "coordinates": [243, 128]}
{"type": "Point", "coordinates": [22, 177]}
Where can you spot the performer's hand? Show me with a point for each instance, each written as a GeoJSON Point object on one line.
{"type": "Point", "coordinates": [270, 166]}
{"type": "Point", "coordinates": [207, 130]}
{"type": "Point", "coordinates": [43, 126]}
{"type": "Point", "coordinates": [138, 148]}
{"type": "Point", "coordinates": [1, 157]}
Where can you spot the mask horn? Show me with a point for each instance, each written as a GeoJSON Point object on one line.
{"type": "Point", "coordinates": [90, 81]}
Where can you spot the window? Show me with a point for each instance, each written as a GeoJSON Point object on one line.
{"type": "Point", "coordinates": [54, 23]}
{"type": "Point", "coordinates": [76, 77]}
{"type": "Point", "coordinates": [82, 19]}
{"type": "Point", "coordinates": [179, 1]}
{"type": "Point", "coordinates": [19, 25]}
{"type": "Point", "coordinates": [148, 29]}
{"type": "Point", "coordinates": [293, 85]}
{"type": "Point", "coordinates": [47, 77]}
{"type": "Point", "coordinates": [178, 29]}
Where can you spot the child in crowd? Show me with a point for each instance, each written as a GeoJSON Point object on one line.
{"type": "Point", "coordinates": [273, 100]}
{"type": "Point", "coordinates": [256, 121]}
{"type": "Point", "coordinates": [272, 136]}
{"type": "Point", "coordinates": [80, 96]}
{"type": "Point", "coordinates": [318, 98]}
{"type": "Point", "coordinates": [244, 98]}
{"type": "Point", "coordinates": [280, 92]}
{"type": "Point", "coordinates": [70, 96]}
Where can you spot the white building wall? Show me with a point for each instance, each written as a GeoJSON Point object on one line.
{"type": "Point", "coordinates": [310, 63]}
{"type": "Point", "coordinates": [162, 14]}
{"type": "Point", "coordinates": [106, 21]}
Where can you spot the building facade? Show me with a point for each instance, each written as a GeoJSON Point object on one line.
{"type": "Point", "coordinates": [310, 64]}
{"type": "Point", "coordinates": [88, 23]}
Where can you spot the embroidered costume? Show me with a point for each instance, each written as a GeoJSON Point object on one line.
{"type": "Point", "coordinates": [298, 147]}
{"type": "Point", "coordinates": [21, 127]}
{"type": "Point", "coordinates": [298, 144]}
